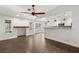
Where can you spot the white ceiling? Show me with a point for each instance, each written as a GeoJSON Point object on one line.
{"type": "Point", "coordinates": [14, 10]}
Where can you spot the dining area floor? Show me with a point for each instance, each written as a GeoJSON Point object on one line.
{"type": "Point", "coordinates": [30, 44]}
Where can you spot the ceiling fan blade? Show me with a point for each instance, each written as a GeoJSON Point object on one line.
{"type": "Point", "coordinates": [39, 13]}
{"type": "Point", "coordinates": [33, 12]}
{"type": "Point", "coordinates": [26, 12]}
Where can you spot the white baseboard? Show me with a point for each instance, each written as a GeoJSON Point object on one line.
{"type": "Point", "coordinates": [7, 38]}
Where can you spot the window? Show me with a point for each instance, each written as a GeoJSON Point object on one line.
{"type": "Point", "coordinates": [8, 26]}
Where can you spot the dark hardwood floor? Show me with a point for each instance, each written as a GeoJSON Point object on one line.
{"type": "Point", "coordinates": [30, 44]}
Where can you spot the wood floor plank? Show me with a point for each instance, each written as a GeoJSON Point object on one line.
{"type": "Point", "coordinates": [30, 44]}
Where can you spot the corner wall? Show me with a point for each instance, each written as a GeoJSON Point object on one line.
{"type": "Point", "coordinates": [68, 36]}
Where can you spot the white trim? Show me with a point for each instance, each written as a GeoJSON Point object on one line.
{"type": "Point", "coordinates": [8, 38]}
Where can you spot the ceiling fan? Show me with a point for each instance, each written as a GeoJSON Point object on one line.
{"type": "Point", "coordinates": [34, 13]}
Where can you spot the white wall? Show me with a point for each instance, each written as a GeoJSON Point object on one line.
{"type": "Point", "coordinates": [0, 29]}
{"type": "Point", "coordinates": [68, 36]}
{"type": "Point", "coordinates": [20, 22]}
{"type": "Point", "coordinates": [30, 31]}
{"type": "Point", "coordinates": [51, 23]}
{"type": "Point", "coordinates": [15, 31]}
{"type": "Point", "coordinates": [4, 35]}
{"type": "Point", "coordinates": [34, 29]}
{"type": "Point", "coordinates": [41, 28]}
{"type": "Point", "coordinates": [60, 19]}
{"type": "Point", "coordinates": [18, 31]}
